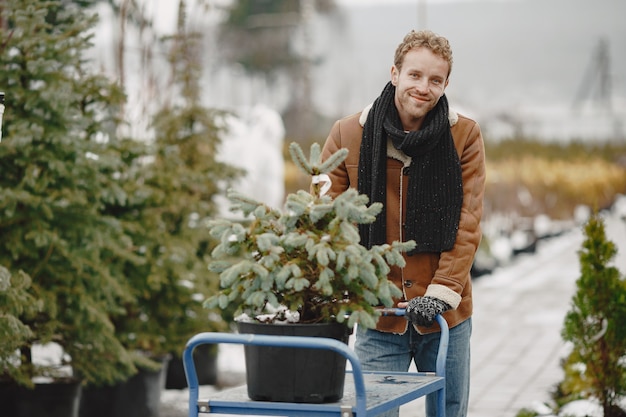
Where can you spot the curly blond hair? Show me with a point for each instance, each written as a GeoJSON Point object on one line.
{"type": "Point", "coordinates": [423, 38]}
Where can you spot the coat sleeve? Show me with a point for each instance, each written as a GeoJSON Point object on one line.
{"type": "Point", "coordinates": [345, 133]}
{"type": "Point", "coordinates": [453, 271]}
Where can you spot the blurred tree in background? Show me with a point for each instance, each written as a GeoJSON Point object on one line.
{"type": "Point", "coordinates": [259, 36]}
{"type": "Point", "coordinates": [166, 214]}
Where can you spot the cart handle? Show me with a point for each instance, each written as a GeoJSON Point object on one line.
{"type": "Point", "coordinates": [440, 366]}
{"type": "Point", "coordinates": [297, 342]}
{"type": "Point", "coordinates": [442, 352]}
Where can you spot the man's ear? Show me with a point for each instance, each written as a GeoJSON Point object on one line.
{"type": "Point", "coordinates": [394, 75]}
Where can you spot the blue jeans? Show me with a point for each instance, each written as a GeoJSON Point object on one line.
{"type": "Point", "coordinates": [380, 351]}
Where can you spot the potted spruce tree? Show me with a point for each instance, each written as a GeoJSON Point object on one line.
{"type": "Point", "coordinates": [305, 269]}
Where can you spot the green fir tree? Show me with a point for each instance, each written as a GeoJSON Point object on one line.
{"type": "Point", "coordinates": [595, 325]}
{"type": "Point", "coordinates": [60, 163]}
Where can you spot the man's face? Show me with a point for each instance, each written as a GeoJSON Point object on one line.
{"type": "Point", "coordinates": [419, 85]}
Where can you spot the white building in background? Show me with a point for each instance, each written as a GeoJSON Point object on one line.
{"type": "Point", "coordinates": [254, 142]}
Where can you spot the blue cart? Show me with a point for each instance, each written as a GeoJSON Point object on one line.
{"type": "Point", "coordinates": [371, 393]}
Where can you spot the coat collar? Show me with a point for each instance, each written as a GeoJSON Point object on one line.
{"type": "Point", "coordinates": [453, 116]}
{"type": "Point", "coordinates": [394, 153]}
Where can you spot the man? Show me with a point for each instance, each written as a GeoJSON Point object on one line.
{"type": "Point", "coordinates": [425, 163]}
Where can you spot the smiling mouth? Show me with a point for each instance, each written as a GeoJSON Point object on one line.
{"type": "Point", "coordinates": [420, 99]}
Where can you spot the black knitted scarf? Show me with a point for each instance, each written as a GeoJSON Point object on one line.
{"type": "Point", "coordinates": [435, 189]}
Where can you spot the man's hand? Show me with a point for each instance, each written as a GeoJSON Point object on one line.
{"type": "Point", "coordinates": [423, 310]}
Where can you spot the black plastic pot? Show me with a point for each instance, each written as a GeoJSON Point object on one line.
{"type": "Point", "coordinates": [299, 375]}
{"type": "Point", "coordinates": [56, 399]}
{"type": "Point", "coordinates": [205, 360]}
{"type": "Point", "coordinates": [139, 396]}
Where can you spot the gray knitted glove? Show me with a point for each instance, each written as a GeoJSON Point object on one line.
{"type": "Point", "coordinates": [423, 310]}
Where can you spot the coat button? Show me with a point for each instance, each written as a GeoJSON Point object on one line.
{"type": "Point", "coordinates": [408, 283]}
